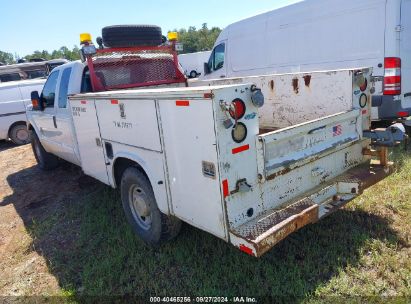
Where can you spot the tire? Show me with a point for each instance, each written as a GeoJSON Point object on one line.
{"type": "Point", "coordinates": [193, 74]}
{"type": "Point", "coordinates": [19, 134]}
{"type": "Point", "coordinates": [45, 160]}
{"type": "Point", "coordinates": [141, 209]}
{"type": "Point", "coordinates": [131, 35]}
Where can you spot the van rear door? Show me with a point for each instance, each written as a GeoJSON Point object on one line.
{"type": "Point", "coordinates": [405, 53]}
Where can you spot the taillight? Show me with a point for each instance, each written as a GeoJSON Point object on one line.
{"type": "Point", "coordinates": [392, 76]}
{"type": "Point", "coordinates": [239, 107]}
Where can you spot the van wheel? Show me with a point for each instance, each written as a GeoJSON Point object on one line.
{"type": "Point", "coordinates": [193, 74]}
{"type": "Point", "coordinates": [141, 209]}
{"type": "Point", "coordinates": [131, 35]}
{"type": "Point", "coordinates": [45, 160]}
{"type": "Point", "coordinates": [19, 134]}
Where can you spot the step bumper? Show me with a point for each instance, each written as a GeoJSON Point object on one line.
{"type": "Point", "coordinates": [260, 234]}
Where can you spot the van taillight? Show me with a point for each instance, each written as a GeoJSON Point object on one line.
{"type": "Point", "coordinates": [392, 76]}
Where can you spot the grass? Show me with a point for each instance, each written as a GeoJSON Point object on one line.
{"type": "Point", "coordinates": [363, 250]}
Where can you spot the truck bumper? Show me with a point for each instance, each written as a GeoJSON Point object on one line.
{"type": "Point", "coordinates": [260, 234]}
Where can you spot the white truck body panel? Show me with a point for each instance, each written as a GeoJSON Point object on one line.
{"type": "Point", "coordinates": [292, 99]}
{"type": "Point", "coordinates": [251, 192]}
{"type": "Point", "coordinates": [193, 62]}
{"type": "Point", "coordinates": [14, 97]}
{"type": "Point", "coordinates": [318, 35]}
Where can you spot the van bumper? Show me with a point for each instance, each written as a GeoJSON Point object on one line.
{"type": "Point", "coordinates": [389, 109]}
{"type": "Point", "coordinates": [259, 235]}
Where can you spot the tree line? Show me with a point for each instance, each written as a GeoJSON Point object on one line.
{"type": "Point", "coordinates": [193, 40]}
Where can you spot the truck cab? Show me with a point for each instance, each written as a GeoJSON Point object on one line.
{"type": "Point", "coordinates": [53, 125]}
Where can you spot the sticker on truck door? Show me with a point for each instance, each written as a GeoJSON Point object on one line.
{"type": "Point", "coordinates": [208, 169]}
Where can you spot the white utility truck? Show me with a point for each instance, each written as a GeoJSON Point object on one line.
{"type": "Point", "coordinates": [193, 63]}
{"type": "Point", "coordinates": [202, 154]}
{"type": "Point", "coordinates": [319, 35]}
{"type": "Point", "coordinates": [14, 97]}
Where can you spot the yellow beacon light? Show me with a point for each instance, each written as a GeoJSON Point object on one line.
{"type": "Point", "coordinates": [172, 36]}
{"type": "Point", "coordinates": [85, 38]}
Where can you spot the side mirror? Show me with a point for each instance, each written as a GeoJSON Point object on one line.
{"type": "Point", "coordinates": [206, 68]}
{"type": "Point", "coordinates": [36, 102]}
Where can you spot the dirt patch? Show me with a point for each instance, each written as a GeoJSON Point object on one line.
{"type": "Point", "coordinates": [27, 195]}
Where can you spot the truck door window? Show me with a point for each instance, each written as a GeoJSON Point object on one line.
{"type": "Point", "coordinates": [49, 90]}
{"type": "Point", "coordinates": [86, 82]}
{"type": "Point", "coordinates": [64, 83]}
{"type": "Point", "coordinates": [216, 61]}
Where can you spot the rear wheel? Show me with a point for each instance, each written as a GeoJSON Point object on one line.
{"type": "Point", "coordinates": [131, 35]}
{"type": "Point", "coordinates": [45, 160]}
{"type": "Point", "coordinates": [141, 209]}
{"type": "Point", "coordinates": [19, 134]}
{"type": "Point", "coordinates": [193, 74]}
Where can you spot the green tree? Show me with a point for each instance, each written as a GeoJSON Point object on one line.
{"type": "Point", "coordinates": [6, 58]}
{"type": "Point", "coordinates": [195, 40]}
{"type": "Point", "coordinates": [62, 52]}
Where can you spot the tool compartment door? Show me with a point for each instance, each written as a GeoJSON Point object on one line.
{"type": "Point", "coordinates": [192, 165]}
{"type": "Point", "coordinates": [88, 137]}
{"type": "Point", "coordinates": [289, 148]}
{"type": "Point", "coordinates": [129, 121]}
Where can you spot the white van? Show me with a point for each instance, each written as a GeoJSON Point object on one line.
{"type": "Point", "coordinates": [325, 35]}
{"type": "Point", "coordinates": [14, 97]}
{"type": "Point", "coordinates": [193, 63]}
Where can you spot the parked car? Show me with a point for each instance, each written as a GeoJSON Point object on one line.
{"type": "Point", "coordinates": [193, 63]}
{"type": "Point", "coordinates": [316, 35]}
{"type": "Point", "coordinates": [28, 70]}
{"type": "Point", "coordinates": [14, 97]}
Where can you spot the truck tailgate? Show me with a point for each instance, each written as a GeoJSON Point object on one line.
{"type": "Point", "coordinates": [306, 172]}
{"type": "Point", "coordinates": [295, 146]}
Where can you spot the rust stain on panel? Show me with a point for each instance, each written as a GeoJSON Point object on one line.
{"type": "Point", "coordinates": [295, 85]}
{"type": "Point", "coordinates": [307, 80]}
{"type": "Point", "coordinates": [271, 85]}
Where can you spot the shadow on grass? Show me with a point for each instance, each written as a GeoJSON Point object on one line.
{"type": "Point", "coordinates": [79, 227]}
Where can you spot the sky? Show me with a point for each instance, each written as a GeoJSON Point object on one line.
{"type": "Point", "coordinates": [27, 25]}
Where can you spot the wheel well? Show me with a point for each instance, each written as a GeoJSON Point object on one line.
{"type": "Point", "coordinates": [121, 164]}
{"type": "Point", "coordinates": [15, 124]}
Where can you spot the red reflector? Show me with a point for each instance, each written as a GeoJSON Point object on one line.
{"type": "Point", "coordinates": [246, 249]}
{"type": "Point", "coordinates": [364, 112]}
{"type": "Point", "coordinates": [240, 149]}
{"type": "Point", "coordinates": [114, 101]}
{"type": "Point", "coordinates": [239, 109]}
{"type": "Point", "coordinates": [403, 114]}
{"type": "Point", "coordinates": [83, 102]}
{"type": "Point", "coordinates": [208, 95]}
{"type": "Point", "coordinates": [182, 103]}
{"type": "Point", "coordinates": [392, 62]}
{"type": "Point", "coordinates": [364, 86]}
{"type": "Point", "coordinates": [225, 188]}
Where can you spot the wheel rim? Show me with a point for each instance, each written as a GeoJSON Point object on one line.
{"type": "Point", "coordinates": [22, 135]}
{"type": "Point", "coordinates": [139, 207]}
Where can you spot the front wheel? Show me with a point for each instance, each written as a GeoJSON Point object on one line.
{"type": "Point", "coordinates": [45, 160]}
{"type": "Point", "coordinates": [141, 209]}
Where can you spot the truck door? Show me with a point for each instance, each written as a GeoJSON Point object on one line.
{"type": "Point", "coordinates": [45, 119]}
{"type": "Point", "coordinates": [405, 53]}
{"type": "Point", "coordinates": [62, 121]}
{"type": "Point", "coordinates": [216, 65]}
